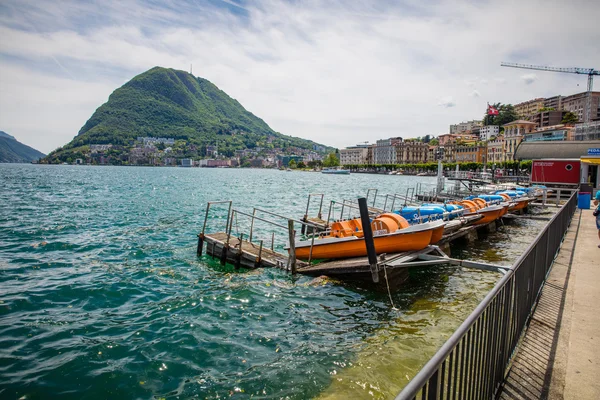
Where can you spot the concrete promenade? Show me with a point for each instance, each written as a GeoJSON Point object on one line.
{"type": "Point", "coordinates": [559, 358]}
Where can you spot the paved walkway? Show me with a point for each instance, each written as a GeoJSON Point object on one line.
{"type": "Point", "coordinates": [559, 357]}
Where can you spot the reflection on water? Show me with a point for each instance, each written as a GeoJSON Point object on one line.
{"type": "Point", "coordinates": [101, 292]}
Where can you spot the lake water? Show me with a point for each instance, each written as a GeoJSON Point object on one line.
{"type": "Point", "coordinates": [102, 295]}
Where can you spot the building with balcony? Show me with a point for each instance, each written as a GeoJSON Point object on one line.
{"type": "Point", "coordinates": [355, 155]}
{"type": "Point", "coordinates": [412, 152]}
{"type": "Point", "coordinates": [385, 151]}
{"type": "Point", "coordinates": [470, 154]}
{"type": "Point", "coordinates": [577, 103]}
{"type": "Point", "coordinates": [513, 135]}
{"type": "Point", "coordinates": [553, 102]}
{"type": "Point", "coordinates": [530, 107]}
{"type": "Point", "coordinates": [547, 118]}
{"type": "Point", "coordinates": [488, 131]}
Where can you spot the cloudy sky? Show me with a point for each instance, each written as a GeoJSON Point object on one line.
{"type": "Point", "coordinates": [337, 72]}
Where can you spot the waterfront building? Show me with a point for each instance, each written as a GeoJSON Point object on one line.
{"type": "Point", "coordinates": [530, 107]}
{"type": "Point", "coordinates": [465, 153]}
{"type": "Point", "coordinates": [513, 135]}
{"type": "Point", "coordinates": [412, 152]}
{"type": "Point", "coordinates": [486, 132]}
{"type": "Point", "coordinates": [385, 151]}
{"type": "Point", "coordinates": [448, 155]}
{"type": "Point", "coordinates": [370, 152]}
{"type": "Point", "coordinates": [355, 155]}
{"type": "Point", "coordinates": [576, 104]}
{"type": "Point", "coordinates": [465, 127]}
{"type": "Point", "coordinates": [187, 162]}
{"type": "Point", "coordinates": [284, 161]}
{"type": "Point", "coordinates": [495, 150]}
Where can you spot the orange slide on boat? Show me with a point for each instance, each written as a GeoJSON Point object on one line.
{"type": "Point", "coordinates": [391, 234]}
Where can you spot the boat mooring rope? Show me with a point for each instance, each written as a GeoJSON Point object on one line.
{"type": "Point", "coordinates": [388, 287]}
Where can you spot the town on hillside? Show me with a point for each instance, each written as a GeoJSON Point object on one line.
{"type": "Point", "coordinates": [492, 141]}
{"type": "Point", "coordinates": [159, 151]}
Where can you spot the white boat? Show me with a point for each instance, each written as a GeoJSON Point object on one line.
{"type": "Point", "coordinates": [337, 171]}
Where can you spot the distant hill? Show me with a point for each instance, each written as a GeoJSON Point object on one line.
{"type": "Point", "coordinates": [13, 151]}
{"type": "Point", "coordinates": [169, 103]}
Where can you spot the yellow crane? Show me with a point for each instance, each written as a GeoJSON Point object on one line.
{"type": "Point", "coordinates": [590, 72]}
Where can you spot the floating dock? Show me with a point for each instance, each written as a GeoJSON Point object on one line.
{"type": "Point", "coordinates": [388, 270]}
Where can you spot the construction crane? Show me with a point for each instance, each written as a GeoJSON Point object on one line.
{"type": "Point", "coordinates": [590, 72]}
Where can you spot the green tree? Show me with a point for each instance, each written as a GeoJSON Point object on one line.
{"type": "Point", "coordinates": [331, 161]}
{"type": "Point", "coordinates": [301, 165]}
{"type": "Point", "coordinates": [506, 114]}
{"type": "Point", "coordinates": [570, 118]}
{"type": "Point", "coordinates": [292, 164]}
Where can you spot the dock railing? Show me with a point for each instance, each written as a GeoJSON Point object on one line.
{"type": "Point", "coordinates": [473, 362]}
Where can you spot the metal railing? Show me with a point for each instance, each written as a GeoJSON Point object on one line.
{"type": "Point", "coordinates": [473, 362]}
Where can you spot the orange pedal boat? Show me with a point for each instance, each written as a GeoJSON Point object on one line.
{"type": "Point", "coordinates": [391, 234]}
{"type": "Point", "coordinates": [479, 206]}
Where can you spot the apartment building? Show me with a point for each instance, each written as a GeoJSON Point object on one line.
{"type": "Point", "coordinates": [487, 132]}
{"type": "Point", "coordinates": [470, 153]}
{"type": "Point", "coordinates": [355, 155]}
{"type": "Point", "coordinates": [553, 102]}
{"type": "Point", "coordinates": [412, 152]}
{"type": "Point", "coordinates": [385, 151]}
{"type": "Point", "coordinates": [577, 103]}
{"type": "Point", "coordinates": [530, 107]}
{"type": "Point", "coordinates": [547, 118]}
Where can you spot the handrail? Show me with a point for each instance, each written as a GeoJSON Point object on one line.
{"type": "Point", "coordinates": [511, 292]}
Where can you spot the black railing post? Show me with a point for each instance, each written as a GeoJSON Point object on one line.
{"type": "Point", "coordinates": [368, 235]}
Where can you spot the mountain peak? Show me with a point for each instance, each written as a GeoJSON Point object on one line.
{"type": "Point", "coordinates": [165, 102]}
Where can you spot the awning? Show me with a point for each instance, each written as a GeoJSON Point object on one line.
{"type": "Point", "coordinates": [588, 160]}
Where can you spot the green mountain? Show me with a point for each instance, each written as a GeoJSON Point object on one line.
{"type": "Point", "coordinates": [13, 151]}
{"type": "Point", "coordinates": [169, 103]}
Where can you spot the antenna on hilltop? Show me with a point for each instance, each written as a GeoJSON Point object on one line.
{"type": "Point", "coordinates": [191, 69]}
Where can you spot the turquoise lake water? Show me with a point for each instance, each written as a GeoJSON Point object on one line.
{"type": "Point", "coordinates": [102, 295]}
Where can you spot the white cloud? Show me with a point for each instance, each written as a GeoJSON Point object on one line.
{"type": "Point", "coordinates": [447, 102]}
{"type": "Point", "coordinates": [335, 72]}
{"type": "Point", "coordinates": [529, 78]}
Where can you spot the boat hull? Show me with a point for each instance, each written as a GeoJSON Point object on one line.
{"type": "Point", "coordinates": [490, 214]}
{"type": "Point", "coordinates": [518, 204]}
{"type": "Point", "coordinates": [437, 234]}
{"type": "Point", "coordinates": [335, 248]}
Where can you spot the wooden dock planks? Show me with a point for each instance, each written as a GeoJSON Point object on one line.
{"type": "Point", "coordinates": [251, 256]}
